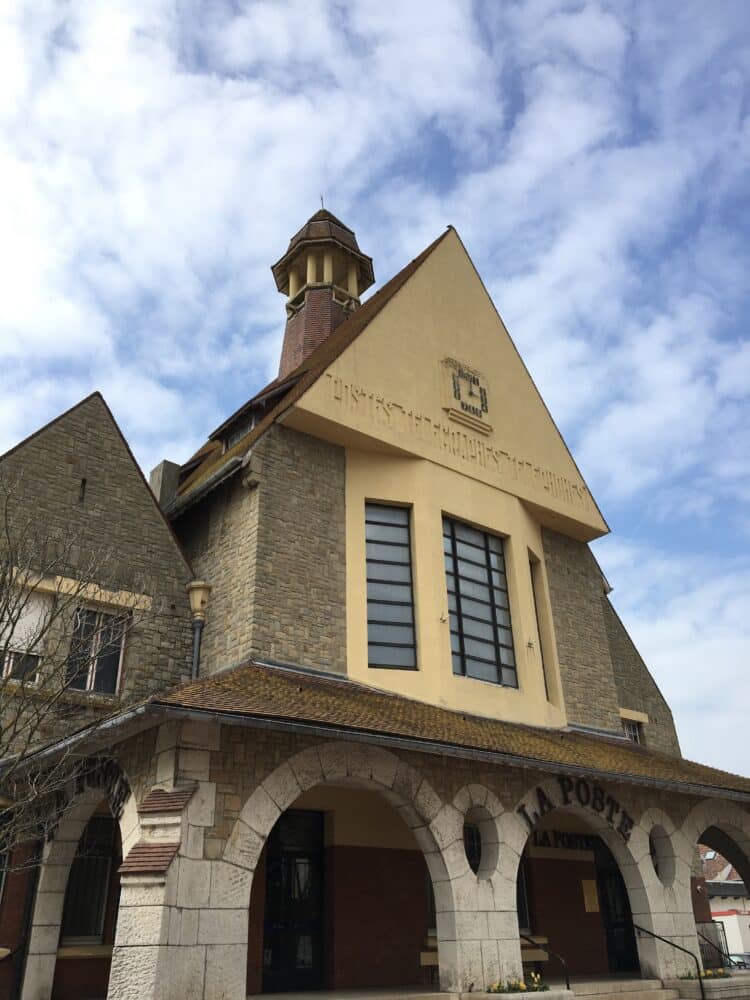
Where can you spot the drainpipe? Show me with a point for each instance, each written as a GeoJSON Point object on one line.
{"type": "Point", "coordinates": [198, 592]}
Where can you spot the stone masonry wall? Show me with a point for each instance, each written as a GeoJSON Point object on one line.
{"type": "Point", "coordinates": [220, 537]}
{"type": "Point", "coordinates": [75, 483]}
{"type": "Point", "coordinates": [191, 929]}
{"type": "Point", "coordinates": [637, 689]}
{"type": "Point", "coordinates": [272, 544]}
{"type": "Point", "coordinates": [300, 610]}
{"type": "Point", "coordinates": [577, 598]}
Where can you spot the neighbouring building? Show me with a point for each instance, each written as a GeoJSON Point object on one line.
{"type": "Point", "coordinates": [728, 901]}
{"type": "Point", "coordinates": [410, 743]}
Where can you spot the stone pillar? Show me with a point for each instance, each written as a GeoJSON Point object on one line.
{"type": "Point", "coordinates": [328, 267]}
{"type": "Point", "coordinates": [477, 921]}
{"type": "Point", "coordinates": [169, 933]}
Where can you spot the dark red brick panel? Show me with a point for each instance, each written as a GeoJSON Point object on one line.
{"type": "Point", "coordinates": [559, 914]}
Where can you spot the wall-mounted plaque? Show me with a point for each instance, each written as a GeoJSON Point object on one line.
{"type": "Point", "coordinates": [465, 395]}
{"type": "Point", "coordinates": [590, 895]}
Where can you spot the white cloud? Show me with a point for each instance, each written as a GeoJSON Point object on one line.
{"type": "Point", "coordinates": [688, 616]}
{"type": "Point", "coordinates": [155, 159]}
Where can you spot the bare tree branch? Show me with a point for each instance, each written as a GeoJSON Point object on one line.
{"type": "Point", "coordinates": [69, 611]}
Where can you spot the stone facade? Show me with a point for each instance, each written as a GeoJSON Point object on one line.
{"type": "Point", "coordinates": [185, 932]}
{"type": "Point", "coordinates": [272, 543]}
{"type": "Point", "coordinates": [576, 597]}
{"type": "Point", "coordinates": [636, 688]}
{"type": "Point", "coordinates": [74, 485]}
{"type": "Point", "coordinates": [600, 667]}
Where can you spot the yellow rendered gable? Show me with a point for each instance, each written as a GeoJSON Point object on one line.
{"type": "Point", "coordinates": [436, 376]}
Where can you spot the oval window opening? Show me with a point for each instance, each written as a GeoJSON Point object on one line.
{"type": "Point", "coordinates": [473, 845]}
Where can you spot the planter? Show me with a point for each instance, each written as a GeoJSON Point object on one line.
{"type": "Point", "coordinates": [552, 994]}
{"type": "Point", "coordinates": [737, 987]}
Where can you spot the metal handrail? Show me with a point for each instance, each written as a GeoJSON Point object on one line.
{"type": "Point", "coordinates": [730, 960]}
{"type": "Point", "coordinates": [552, 954]}
{"type": "Point", "coordinates": [679, 947]}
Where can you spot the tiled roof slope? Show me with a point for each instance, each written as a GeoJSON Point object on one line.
{"type": "Point", "coordinates": [307, 373]}
{"type": "Point", "coordinates": [280, 693]}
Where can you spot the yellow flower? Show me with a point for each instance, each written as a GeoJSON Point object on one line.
{"type": "Point", "coordinates": [522, 986]}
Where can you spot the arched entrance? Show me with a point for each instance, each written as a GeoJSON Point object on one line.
{"type": "Point", "coordinates": [721, 870]}
{"type": "Point", "coordinates": [75, 908]}
{"type": "Point", "coordinates": [335, 843]}
{"type": "Point", "coordinates": [340, 898]}
{"type": "Point", "coordinates": [574, 901]}
{"type": "Point", "coordinates": [89, 916]}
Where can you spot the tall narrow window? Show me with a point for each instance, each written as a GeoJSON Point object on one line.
{"type": "Point", "coordinates": [391, 639]}
{"type": "Point", "coordinates": [481, 637]}
{"type": "Point", "coordinates": [534, 572]}
{"type": "Point", "coordinates": [88, 883]}
{"type": "Point", "coordinates": [522, 899]}
{"type": "Point", "coordinates": [95, 651]}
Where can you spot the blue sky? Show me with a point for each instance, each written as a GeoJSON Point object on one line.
{"type": "Point", "coordinates": [155, 157]}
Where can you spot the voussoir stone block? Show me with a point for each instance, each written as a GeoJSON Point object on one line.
{"type": "Point", "coordinates": [333, 761]}
{"type": "Point", "coordinates": [244, 846]}
{"type": "Point", "coordinates": [230, 886]}
{"type": "Point", "coordinates": [283, 786]}
{"type": "Point", "coordinates": [406, 782]}
{"type": "Point", "coordinates": [447, 826]}
{"type": "Point", "coordinates": [427, 802]}
{"type": "Point", "coordinates": [260, 812]}
{"type": "Point", "coordinates": [307, 768]}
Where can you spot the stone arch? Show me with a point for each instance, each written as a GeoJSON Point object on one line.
{"type": "Point", "coordinates": [667, 913]}
{"type": "Point", "coordinates": [723, 826]}
{"type": "Point", "coordinates": [666, 848]}
{"type": "Point", "coordinates": [54, 869]}
{"type": "Point", "coordinates": [436, 827]}
{"type": "Point", "coordinates": [478, 804]}
{"type": "Point", "coordinates": [343, 763]}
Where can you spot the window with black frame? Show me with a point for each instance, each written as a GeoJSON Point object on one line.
{"type": "Point", "coordinates": [391, 638]}
{"type": "Point", "coordinates": [95, 651]}
{"type": "Point", "coordinates": [478, 605]}
{"type": "Point", "coordinates": [88, 883]}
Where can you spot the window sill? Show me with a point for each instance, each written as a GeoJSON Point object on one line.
{"type": "Point", "coordinates": [85, 951]}
{"type": "Point", "coordinates": [73, 696]}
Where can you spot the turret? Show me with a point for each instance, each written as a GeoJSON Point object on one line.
{"type": "Point", "coordinates": [323, 273]}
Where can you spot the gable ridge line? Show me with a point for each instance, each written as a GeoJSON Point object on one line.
{"type": "Point", "coordinates": [531, 379]}
{"type": "Point", "coordinates": [144, 482]}
{"type": "Point", "coordinates": [97, 395]}
{"type": "Point", "coordinates": [311, 369]}
{"type": "Point", "coordinates": [51, 423]}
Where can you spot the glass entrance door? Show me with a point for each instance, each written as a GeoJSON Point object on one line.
{"type": "Point", "coordinates": [293, 926]}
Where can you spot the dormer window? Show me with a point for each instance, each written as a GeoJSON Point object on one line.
{"type": "Point", "coordinates": [478, 605]}
{"type": "Point", "coordinates": [96, 651]}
